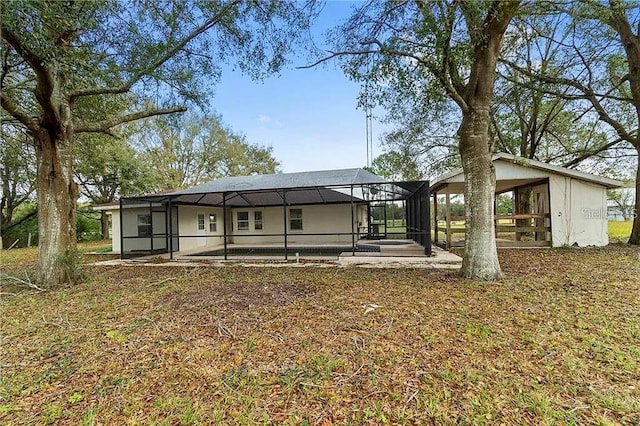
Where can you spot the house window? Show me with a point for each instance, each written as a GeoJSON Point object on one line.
{"type": "Point", "coordinates": [257, 220]}
{"type": "Point", "coordinates": [144, 225]}
{"type": "Point", "coordinates": [213, 225]}
{"type": "Point", "coordinates": [243, 221]}
{"type": "Point", "coordinates": [200, 222]}
{"type": "Point", "coordinates": [295, 219]}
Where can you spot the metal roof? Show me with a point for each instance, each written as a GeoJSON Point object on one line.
{"type": "Point", "coordinates": [317, 179]}
{"type": "Point", "coordinates": [445, 179]}
{"type": "Point", "coordinates": [317, 187]}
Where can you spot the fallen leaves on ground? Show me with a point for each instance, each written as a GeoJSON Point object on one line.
{"type": "Point", "coordinates": [556, 341]}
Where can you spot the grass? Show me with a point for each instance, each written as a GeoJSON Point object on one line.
{"type": "Point", "coordinates": [557, 341]}
{"type": "Point", "coordinates": [619, 232]}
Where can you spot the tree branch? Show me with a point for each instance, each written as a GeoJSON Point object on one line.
{"type": "Point", "coordinates": [91, 91]}
{"type": "Point", "coordinates": [17, 113]}
{"type": "Point", "coordinates": [590, 153]}
{"type": "Point", "coordinates": [105, 125]}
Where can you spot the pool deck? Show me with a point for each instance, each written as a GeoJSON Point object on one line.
{"type": "Point", "coordinates": [400, 255]}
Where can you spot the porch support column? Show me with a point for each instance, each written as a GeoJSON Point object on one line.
{"type": "Point", "coordinates": [448, 217]}
{"type": "Point", "coordinates": [284, 223]}
{"type": "Point", "coordinates": [385, 219]}
{"type": "Point", "coordinates": [170, 245]}
{"type": "Point", "coordinates": [435, 217]}
{"type": "Point", "coordinates": [369, 219]}
{"type": "Point", "coordinates": [121, 228]}
{"type": "Point", "coordinates": [224, 223]}
{"type": "Point", "coordinates": [353, 235]}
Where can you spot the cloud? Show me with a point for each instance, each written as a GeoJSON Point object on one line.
{"type": "Point", "coordinates": [268, 120]}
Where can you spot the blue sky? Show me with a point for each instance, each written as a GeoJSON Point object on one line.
{"type": "Point", "coordinates": [308, 116]}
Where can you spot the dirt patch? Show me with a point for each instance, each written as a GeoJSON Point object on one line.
{"type": "Point", "coordinates": [239, 296]}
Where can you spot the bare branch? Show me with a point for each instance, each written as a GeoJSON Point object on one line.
{"type": "Point", "coordinates": [590, 153]}
{"type": "Point", "coordinates": [105, 125]}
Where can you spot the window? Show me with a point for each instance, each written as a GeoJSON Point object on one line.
{"type": "Point", "coordinates": [295, 219]}
{"type": "Point", "coordinates": [144, 225]}
{"type": "Point", "coordinates": [243, 221]}
{"type": "Point", "coordinates": [200, 222]}
{"type": "Point", "coordinates": [213, 226]}
{"type": "Point", "coordinates": [257, 220]}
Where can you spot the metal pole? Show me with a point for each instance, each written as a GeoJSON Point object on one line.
{"type": "Point", "coordinates": [369, 219]}
{"type": "Point", "coordinates": [121, 228]}
{"type": "Point", "coordinates": [435, 217]}
{"type": "Point", "coordinates": [284, 222]}
{"type": "Point", "coordinates": [353, 236]}
{"type": "Point", "coordinates": [224, 223]}
{"type": "Point", "coordinates": [170, 231]}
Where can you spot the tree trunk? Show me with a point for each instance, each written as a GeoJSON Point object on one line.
{"type": "Point", "coordinates": [480, 253]}
{"type": "Point", "coordinates": [57, 195]}
{"type": "Point", "coordinates": [104, 224]}
{"type": "Point", "coordinates": [635, 230]}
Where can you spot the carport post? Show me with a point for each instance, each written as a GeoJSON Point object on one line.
{"type": "Point", "coordinates": [224, 223]}
{"type": "Point", "coordinates": [353, 235]}
{"type": "Point", "coordinates": [284, 222]}
{"type": "Point", "coordinates": [435, 217]}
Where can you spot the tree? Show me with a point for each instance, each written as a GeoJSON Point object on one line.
{"type": "Point", "coordinates": [623, 199]}
{"type": "Point", "coordinates": [108, 168]}
{"type": "Point", "coordinates": [17, 175]}
{"type": "Point", "coordinates": [59, 57]}
{"type": "Point", "coordinates": [601, 71]}
{"type": "Point", "coordinates": [197, 149]}
{"type": "Point", "coordinates": [427, 52]}
{"type": "Point", "coordinates": [396, 166]}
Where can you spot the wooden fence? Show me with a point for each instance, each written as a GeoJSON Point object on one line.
{"type": "Point", "coordinates": [529, 230]}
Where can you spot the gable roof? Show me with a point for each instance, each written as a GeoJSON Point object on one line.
{"type": "Point", "coordinates": [316, 179]}
{"type": "Point", "coordinates": [444, 179]}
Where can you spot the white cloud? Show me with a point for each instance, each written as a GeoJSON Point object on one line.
{"type": "Point", "coordinates": [268, 120]}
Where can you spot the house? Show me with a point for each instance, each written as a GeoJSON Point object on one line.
{"type": "Point", "coordinates": [553, 206]}
{"type": "Point", "coordinates": [287, 213]}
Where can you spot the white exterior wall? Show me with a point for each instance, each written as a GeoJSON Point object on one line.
{"type": "Point", "coordinates": [192, 238]}
{"type": "Point", "coordinates": [578, 212]}
{"type": "Point", "coordinates": [316, 219]}
{"type": "Point", "coordinates": [331, 218]}
{"type": "Point", "coordinates": [115, 230]}
{"type": "Point", "coordinates": [130, 229]}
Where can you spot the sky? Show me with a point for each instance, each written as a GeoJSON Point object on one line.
{"type": "Point", "coordinates": [308, 116]}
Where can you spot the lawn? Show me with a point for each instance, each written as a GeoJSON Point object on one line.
{"type": "Point", "coordinates": [619, 232]}
{"type": "Point", "coordinates": [556, 341]}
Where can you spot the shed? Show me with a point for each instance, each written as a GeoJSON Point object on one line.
{"type": "Point", "coordinates": [552, 205]}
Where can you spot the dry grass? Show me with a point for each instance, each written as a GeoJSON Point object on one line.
{"type": "Point", "coordinates": [556, 341]}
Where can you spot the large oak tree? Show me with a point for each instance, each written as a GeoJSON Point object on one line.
{"type": "Point", "coordinates": [62, 55]}
{"type": "Point", "coordinates": [425, 51]}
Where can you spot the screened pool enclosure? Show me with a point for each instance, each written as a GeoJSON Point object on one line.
{"type": "Point", "coordinates": [314, 213]}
